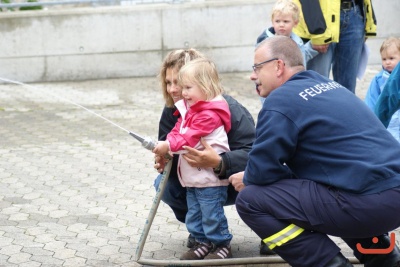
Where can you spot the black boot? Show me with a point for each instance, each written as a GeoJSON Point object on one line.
{"type": "Point", "coordinates": [339, 261]}
{"type": "Point", "coordinates": [264, 249]}
{"type": "Point", "coordinates": [391, 259]}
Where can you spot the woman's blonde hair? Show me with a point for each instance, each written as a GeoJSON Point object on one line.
{"type": "Point", "coordinates": [286, 7]}
{"type": "Point", "coordinates": [175, 60]}
{"type": "Point", "coordinates": [204, 74]}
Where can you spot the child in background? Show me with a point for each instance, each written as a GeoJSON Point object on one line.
{"type": "Point", "coordinates": [204, 113]}
{"type": "Point", "coordinates": [285, 16]}
{"type": "Point", "coordinates": [390, 55]}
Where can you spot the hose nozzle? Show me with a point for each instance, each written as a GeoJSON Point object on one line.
{"type": "Point", "coordinates": [146, 142]}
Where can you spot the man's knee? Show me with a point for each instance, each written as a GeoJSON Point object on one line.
{"type": "Point", "coordinates": [243, 199]}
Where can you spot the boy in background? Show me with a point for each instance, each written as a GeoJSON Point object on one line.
{"type": "Point", "coordinates": [285, 16]}
{"type": "Point", "coordinates": [390, 55]}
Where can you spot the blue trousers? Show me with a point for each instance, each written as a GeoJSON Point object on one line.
{"type": "Point", "coordinates": [319, 211]}
{"type": "Point", "coordinates": [206, 219]}
{"type": "Point", "coordinates": [343, 57]}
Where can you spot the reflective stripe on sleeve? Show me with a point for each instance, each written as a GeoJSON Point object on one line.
{"type": "Point", "coordinates": [283, 236]}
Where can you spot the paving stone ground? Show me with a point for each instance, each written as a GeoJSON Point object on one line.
{"type": "Point", "coordinates": [76, 190]}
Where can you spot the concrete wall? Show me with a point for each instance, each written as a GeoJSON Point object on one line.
{"type": "Point", "coordinates": [126, 41]}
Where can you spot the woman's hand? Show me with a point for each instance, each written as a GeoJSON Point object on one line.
{"type": "Point", "coordinates": [159, 163]}
{"type": "Point", "coordinates": [160, 150]}
{"type": "Point", "coordinates": [207, 158]}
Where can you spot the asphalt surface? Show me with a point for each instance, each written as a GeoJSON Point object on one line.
{"type": "Point", "coordinates": [76, 189]}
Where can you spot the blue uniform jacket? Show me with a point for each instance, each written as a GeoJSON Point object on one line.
{"type": "Point", "coordinates": [313, 128]}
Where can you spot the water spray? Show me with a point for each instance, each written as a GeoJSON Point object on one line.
{"type": "Point", "coordinates": [146, 142]}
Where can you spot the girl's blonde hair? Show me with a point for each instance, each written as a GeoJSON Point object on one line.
{"type": "Point", "coordinates": [204, 74]}
{"type": "Point", "coordinates": [175, 60]}
{"type": "Point", "coordinates": [389, 42]}
{"type": "Point", "coordinates": [286, 7]}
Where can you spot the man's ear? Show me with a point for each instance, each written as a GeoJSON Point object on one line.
{"type": "Point", "coordinates": [279, 67]}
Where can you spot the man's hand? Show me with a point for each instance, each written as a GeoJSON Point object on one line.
{"type": "Point", "coordinates": [320, 48]}
{"type": "Point", "coordinates": [208, 158]}
{"type": "Point", "coordinates": [237, 181]}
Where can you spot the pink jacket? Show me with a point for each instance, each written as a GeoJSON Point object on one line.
{"type": "Point", "coordinates": [210, 120]}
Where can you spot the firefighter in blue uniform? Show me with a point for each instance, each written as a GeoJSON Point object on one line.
{"type": "Point", "coordinates": [322, 164]}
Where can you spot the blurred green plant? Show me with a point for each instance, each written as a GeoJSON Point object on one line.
{"type": "Point", "coordinates": [21, 8]}
{"type": "Point", "coordinates": [31, 7]}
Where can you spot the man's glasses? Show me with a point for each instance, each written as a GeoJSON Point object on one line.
{"type": "Point", "coordinates": [258, 66]}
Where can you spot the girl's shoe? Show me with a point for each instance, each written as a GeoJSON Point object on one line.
{"type": "Point", "coordinates": [198, 252]}
{"type": "Point", "coordinates": [221, 252]}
